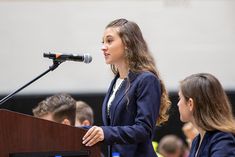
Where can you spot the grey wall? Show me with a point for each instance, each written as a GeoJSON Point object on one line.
{"type": "Point", "coordinates": [185, 36]}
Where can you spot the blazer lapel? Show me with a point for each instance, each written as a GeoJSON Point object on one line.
{"type": "Point", "coordinates": [195, 146]}
{"type": "Point", "coordinates": [203, 144]}
{"type": "Point", "coordinates": [106, 99]}
{"type": "Point", "coordinates": [120, 95]}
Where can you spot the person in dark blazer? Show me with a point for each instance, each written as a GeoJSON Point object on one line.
{"type": "Point", "coordinates": [203, 102]}
{"type": "Point", "coordinates": [136, 100]}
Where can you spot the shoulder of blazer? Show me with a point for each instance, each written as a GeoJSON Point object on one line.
{"type": "Point", "coordinates": [216, 135]}
{"type": "Point", "coordinates": [132, 76]}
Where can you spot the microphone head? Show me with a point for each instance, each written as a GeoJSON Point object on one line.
{"type": "Point", "coordinates": [87, 58]}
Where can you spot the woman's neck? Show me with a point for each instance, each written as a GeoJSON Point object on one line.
{"type": "Point", "coordinates": [200, 130]}
{"type": "Point", "coordinates": [123, 73]}
{"type": "Point", "coordinates": [122, 70]}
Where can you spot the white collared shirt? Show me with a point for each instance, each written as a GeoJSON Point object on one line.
{"type": "Point", "coordinates": [116, 87]}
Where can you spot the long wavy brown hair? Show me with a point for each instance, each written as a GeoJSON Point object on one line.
{"type": "Point", "coordinates": [212, 109]}
{"type": "Point", "coordinates": [139, 59]}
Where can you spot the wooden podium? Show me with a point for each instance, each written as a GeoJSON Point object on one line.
{"type": "Point", "coordinates": [26, 136]}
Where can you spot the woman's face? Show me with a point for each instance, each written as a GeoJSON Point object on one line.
{"type": "Point", "coordinates": [113, 47]}
{"type": "Point", "coordinates": [185, 108]}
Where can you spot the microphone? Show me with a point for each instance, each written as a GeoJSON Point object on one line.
{"type": "Point", "coordinates": [86, 58]}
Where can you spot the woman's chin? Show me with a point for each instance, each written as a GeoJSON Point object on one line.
{"type": "Point", "coordinates": [108, 62]}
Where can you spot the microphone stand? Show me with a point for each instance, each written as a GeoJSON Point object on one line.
{"type": "Point", "coordinates": [56, 63]}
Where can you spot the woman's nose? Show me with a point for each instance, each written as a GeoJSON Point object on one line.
{"type": "Point", "coordinates": [103, 48]}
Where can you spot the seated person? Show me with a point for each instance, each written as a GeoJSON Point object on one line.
{"type": "Point", "coordinates": [84, 114]}
{"type": "Point", "coordinates": [172, 146]}
{"type": "Point", "coordinates": [60, 108]}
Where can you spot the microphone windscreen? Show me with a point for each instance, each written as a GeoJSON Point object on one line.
{"type": "Point", "coordinates": [87, 58]}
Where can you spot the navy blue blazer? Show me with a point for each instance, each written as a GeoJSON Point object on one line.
{"type": "Point", "coordinates": [133, 114]}
{"type": "Point", "coordinates": [214, 144]}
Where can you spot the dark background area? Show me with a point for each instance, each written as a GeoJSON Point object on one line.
{"type": "Point", "coordinates": [25, 103]}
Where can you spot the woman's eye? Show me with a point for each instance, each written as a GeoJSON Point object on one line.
{"type": "Point", "coordinates": [109, 40]}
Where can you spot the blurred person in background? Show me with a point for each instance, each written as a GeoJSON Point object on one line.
{"type": "Point", "coordinates": [84, 114]}
{"type": "Point", "coordinates": [190, 132]}
{"type": "Point", "coordinates": [203, 102]}
{"type": "Point", "coordinates": [60, 108]}
{"type": "Point", "coordinates": [172, 146]}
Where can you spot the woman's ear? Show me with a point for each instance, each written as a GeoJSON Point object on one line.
{"type": "Point", "coordinates": [190, 104]}
{"type": "Point", "coordinates": [86, 123]}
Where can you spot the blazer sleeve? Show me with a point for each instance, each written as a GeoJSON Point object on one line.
{"type": "Point", "coordinates": [223, 145]}
{"type": "Point", "coordinates": [148, 103]}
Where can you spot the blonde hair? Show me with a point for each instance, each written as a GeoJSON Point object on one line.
{"type": "Point", "coordinates": [139, 59]}
{"type": "Point", "coordinates": [212, 109]}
